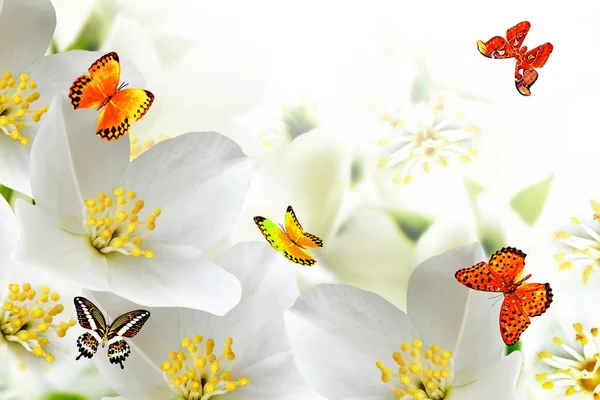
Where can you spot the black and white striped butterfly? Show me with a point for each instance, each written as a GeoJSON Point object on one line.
{"type": "Point", "coordinates": [125, 326]}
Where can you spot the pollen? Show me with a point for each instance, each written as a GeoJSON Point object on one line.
{"type": "Point", "coordinates": [577, 368]}
{"type": "Point", "coordinates": [113, 223]}
{"type": "Point", "coordinates": [583, 249]}
{"type": "Point", "coordinates": [28, 317]}
{"type": "Point", "coordinates": [136, 149]}
{"type": "Point", "coordinates": [420, 373]}
{"type": "Point", "coordinates": [197, 373]}
{"type": "Point", "coordinates": [434, 138]}
{"type": "Point", "coordinates": [18, 99]}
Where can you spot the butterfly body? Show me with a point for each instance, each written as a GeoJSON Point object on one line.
{"type": "Point", "coordinates": [521, 300]}
{"type": "Point", "coordinates": [124, 326]}
{"type": "Point", "coordinates": [291, 239]}
{"type": "Point", "coordinates": [526, 61]}
{"type": "Point", "coordinates": [101, 90]}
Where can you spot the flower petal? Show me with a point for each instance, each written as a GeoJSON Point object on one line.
{"type": "Point", "coordinates": [14, 165]}
{"type": "Point", "coordinates": [9, 235]}
{"type": "Point", "coordinates": [66, 254]}
{"type": "Point", "coordinates": [31, 23]}
{"type": "Point", "coordinates": [497, 383]}
{"type": "Point", "coordinates": [70, 164]}
{"type": "Point", "coordinates": [199, 181]}
{"type": "Point", "coordinates": [338, 332]}
{"type": "Point", "coordinates": [178, 276]}
{"type": "Point", "coordinates": [453, 316]}
{"type": "Point", "coordinates": [142, 377]}
{"type": "Point", "coordinates": [256, 323]}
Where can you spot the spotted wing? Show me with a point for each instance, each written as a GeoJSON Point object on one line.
{"type": "Point", "coordinates": [535, 298]}
{"type": "Point", "coordinates": [91, 91]}
{"type": "Point", "coordinates": [276, 237]}
{"type": "Point", "coordinates": [118, 352]}
{"type": "Point", "coordinates": [480, 277]}
{"type": "Point", "coordinates": [508, 263]}
{"type": "Point", "coordinates": [296, 233]}
{"type": "Point", "coordinates": [89, 316]}
{"type": "Point", "coordinates": [128, 325]}
{"type": "Point", "coordinates": [498, 47]}
{"type": "Point", "coordinates": [513, 319]}
{"type": "Point", "coordinates": [538, 56]}
{"type": "Point", "coordinates": [299, 256]}
{"type": "Point", "coordinates": [87, 345]}
{"type": "Point", "coordinates": [125, 106]}
{"type": "Point", "coordinates": [515, 36]}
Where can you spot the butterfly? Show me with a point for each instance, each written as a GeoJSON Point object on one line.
{"type": "Point", "coordinates": [101, 90]}
{"type": "Point", "coordinates": [291, 240]}
{"type": "Point", "coordinates": [125, 326]}
{"type": "Point", "coordinates": [527, 61]}
{"type": "Point", "coordinates": [521, 300]}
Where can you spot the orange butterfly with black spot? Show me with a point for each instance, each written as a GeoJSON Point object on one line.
{"type": "Point", "coordinates": [101, 90]}
{"type": "Point", "coordinates": [290, 239]}
{"type": "Point", "coordinates": [521, 300]}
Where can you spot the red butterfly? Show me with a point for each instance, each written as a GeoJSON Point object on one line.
{"type": "Point", "coordinates": [527, 61]}
{"type": "Point", "coordinates": [521, 300]}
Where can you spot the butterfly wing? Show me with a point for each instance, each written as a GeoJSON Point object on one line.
{"type": "Point", "coordinates": [538, 56]}
{"type": "Point", "coordinates": [90, 91]}
{"type": "Point", "coordinates": [513, 319]}
{"type": "Point", "coordinates": [480, 277]}
{"type": "Point", "coordinates": [87, 345]}
{"type": "Point", "coordinates": [280, 241]}
{"type": "Point", "coordinates": [128, 325]}
{"type": "Point", "coordinates": [118, 352]}
{"type": "Point", "coordinates": [296, 233]}
{"type": "Point", "coordinates": [516, 35]}
{"type": "Point", "coordinates": [525, 73]}
{"type": "Point", "coordinates": [508, 263]}
{"type": "Point", "coordinates": [535, 298]}
{"type": "Point", "coordinates": [125, 106]}
{"type": "Point", "coordinates": [89, 316]}
{"type": "Point", "coordinates": [496, 47]}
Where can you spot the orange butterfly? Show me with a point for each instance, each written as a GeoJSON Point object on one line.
{"type": "Point", "coordinates": [291, 240]}
{"type": "Point", "coordinates": [100, 89]}
{"type": "Point", "coordinates": [527, 61]}
{"type": "Point", "coordinates": [521, 300]}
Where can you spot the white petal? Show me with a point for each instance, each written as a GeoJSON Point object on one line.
{"type": "Point", "coordinates": [256, 323]}
{"type": "Point", "coordinates": [14, 165]}
{"type": "Point", "coordinates": [179, 276]}
{"type": "Point", "coordinates": [338, 332]}
{"type": "Point", "coordinates": [70, 163]}
{"type": "Point", "coordinates": [497, 383]}
{"type": "Point", "coordinates": [199, 180]}
{"type": "Point", "coordinates": [142, 377]}
{"type": "Point", "coordinates": [9, 235]}
{"type": "Point", "coordinates": [66, 254]}
{"type": "Point", "coordinates": [453, 316]}
{"type": "Point", "coordinates": [27, 26]}
{"type": "Point", "coordinates": [276, 378]}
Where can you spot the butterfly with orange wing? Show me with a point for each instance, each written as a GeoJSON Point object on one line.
{"type": "Point", "coordinates": [291, 240]}
{"type": "Point", "coordinates": [101, 90]}
{"type": "Point", "coordinates": [527, 61]}
{"type": "Point", "coordinates": [521, 300]}
{"type": "Point", "coordinates": [124, 326]}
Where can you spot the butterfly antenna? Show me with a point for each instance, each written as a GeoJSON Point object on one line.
{"type": "Point", "coordinates": [122, 85]}
{"type": "Point", "coordinates": [496, 302]}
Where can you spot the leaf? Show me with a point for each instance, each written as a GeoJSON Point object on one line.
{"type": "Point", "coordinates": [298, 120]}
{"type": "Point", "coordinates": [412, 225]}
{"type": "Point", "coordinates": [64, 396]}
{"type": "Point", "coordinates": [357, 173]}
{"type": "Point", "coordinates": [492, 239]}
{"type": "Point", "coordinates": [96, 28]}
{"type": "Point", "coordinates": [5, 192]}
{"type": "Point", "coordinates": [514, 347]}
{"type": "Point", "coordinates": [529, 202]}
{"type": "Point", "coordinates": [474, 189]}
{"type": "Point", "coordinates": [14, 195]}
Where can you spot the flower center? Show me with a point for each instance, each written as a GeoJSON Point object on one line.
{"type": "Point", "coordinates": [27, 318]}
{"type": "Point", "coordinates": [196, 374]}
{"type": "Point", "coordinates": [585, 251]}
{"type": "Point", "coordinates": [115, 225]}
{"type": "Point", "coordinates": [16, 113]}
{"type": "Point", "coordinates": [422, 373]}
{"type": "Point", "coordinates": [436, 138]}
{"type": "Point", "coordinates": [293, 121]}
{"type": "Point", "coordinates": [579, 371]}
{"type": "Point", "coordinates": [136, 150]}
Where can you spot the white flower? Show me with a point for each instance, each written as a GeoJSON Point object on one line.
{"type": "Point", "coordinates": [193, 355]}
{"type": "Point", "coordinates": [351, 344]}
{"type": "Point", "coordinates": [135, 229]}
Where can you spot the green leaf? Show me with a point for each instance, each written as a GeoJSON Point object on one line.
{"type": "Point", "coordinates": [14, 195]}
{"type": "Point", "coordinates": [96, 28]}
{"type": "Point", "coordinates": [5, 192]}
{"type": "Point", "coordinates": [412, 225]}
{"type": "Point", "coordinates": [529, 202]}
{"type": "Point", "coordinates": [357, 172]}
{"type": "Point", "coordinates": [298, 120]}
{"type": "Point", "coordinates": [492, 239]}
{"type": "Point", "coordinates": [64, 396]}
{"type": "Point", "coordinates": [474, 189]}
{"type": "Point", "coordinates": [514, 347]}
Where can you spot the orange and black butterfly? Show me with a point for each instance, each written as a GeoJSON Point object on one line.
{"type": "Point", "coordinates": [521, 300]}
{"type": "Point", "coordinates": [290, 239]}
{"type": "Point", "coordinates": [101, 90]}
{"type": "Point", "coordinates": [527, 61]}
{"type": "Point", "coordinates": [124, 326]}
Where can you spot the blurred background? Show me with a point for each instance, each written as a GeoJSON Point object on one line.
{"type": "Point", "coordinates": [392, 137]}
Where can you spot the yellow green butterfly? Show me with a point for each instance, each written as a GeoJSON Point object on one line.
{"type": "Point", "coordinates": [291, 240]}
